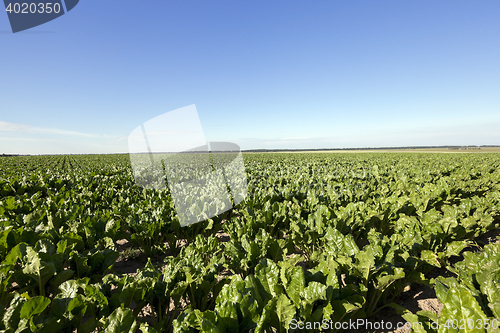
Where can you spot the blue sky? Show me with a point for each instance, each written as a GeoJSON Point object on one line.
{"type": "Point", "coordinates": [262, 74]}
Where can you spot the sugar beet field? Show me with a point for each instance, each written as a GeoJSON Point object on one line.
{"type": "Point", "coordinates": [320, 238]}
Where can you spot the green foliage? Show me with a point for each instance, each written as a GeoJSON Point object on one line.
{"type": "Point", "coordinates": [319, 236]}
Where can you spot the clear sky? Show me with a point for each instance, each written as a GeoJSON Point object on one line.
{"type": "Point", "coordinates": [262, 74]}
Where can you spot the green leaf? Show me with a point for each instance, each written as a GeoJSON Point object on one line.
{"type": "Point", "coordinates": [364, 265]}
{"type": "Point", "coordinates": [89, 326]}
{"type": "Point", "coordinates": [384, 281]}
{"type": "Point", "coordinates": [226, 303]}
{"type": "Point", "coordinates": [454, 248]}
{"type": "Point", "coordinates": [284, 310]}
{"type": "Point", "coordinates": [12, 315]}
{"type": "Point", "coordinates": [415, 320]}
{"type": "Point", "coordinates": [343, 307]}
{"type": "Point", "coordinates": [60, 303]}
{"type": "Point", "coordinates": [339, 244]}
{"type": "Point", "coordinates": [250, 312]}
{"type": "Point", "coordinates": [430, 257]}
{"type": "Point", "coordinates": [45, 246]}
{"type": "Point", "coordinates": [120, 321]}
{"type": "Point", "coordinates": [489, 283]}
{"type": "Point", "coordinates": [460, 306]}
{"type": "Point", "coordinates": [267, 272]}
{"type": "Point", "coordinates": [327, 312]}
{"type": "Point", "coordinates": [34, 306]}
{"type": "Point", "coordinates": [315, 291]}
{"type": "Point", "coordinates": [264, 322]}
{"type": "Point", "coordinates": [39, 270]}
{"type": "Point", "coordinates": [295, 283]}
{"type": "Point", "coordinates": [145, 328]}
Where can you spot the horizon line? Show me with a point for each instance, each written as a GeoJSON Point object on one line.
{"type": "Point", "coordinates": [279, 149]}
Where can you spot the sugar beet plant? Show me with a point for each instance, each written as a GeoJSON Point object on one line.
{"type": "Point", "coordinates": [319, 237]}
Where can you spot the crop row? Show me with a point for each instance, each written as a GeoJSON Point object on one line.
{"type": "Point", "coordinates": [319, 236]}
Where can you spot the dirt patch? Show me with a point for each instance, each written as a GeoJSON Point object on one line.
{"type": "Point", "coordinates": [122, 245]}
{"type": "Point", "coordinates": [130, 266]}
{"type": "Point", "coordinates": [489, 237]}
{"type": "Point", "coordinates": [418, 298]}
{"type": "Point", "coordinates": [222, 236]}
{"type": "Point", "coordinates": [224, 274]}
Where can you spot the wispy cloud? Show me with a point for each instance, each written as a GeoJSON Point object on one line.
{"type": "Point", "coordinates": [25, 139]}
{"type": "Point", "coordinates": [297, 138]}
{"type": "Point", "coordinates": [21, 128]}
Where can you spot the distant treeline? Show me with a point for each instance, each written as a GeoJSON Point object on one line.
{"type": "Point", "coordinates": [368, 148]}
